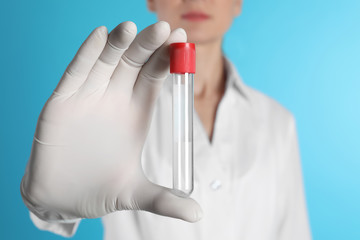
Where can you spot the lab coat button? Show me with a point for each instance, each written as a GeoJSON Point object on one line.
{"type": "Point", "coordinates": [215, 185]}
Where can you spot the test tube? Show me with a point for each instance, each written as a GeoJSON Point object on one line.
{"type": "Point", "coordinates": [182, 68]}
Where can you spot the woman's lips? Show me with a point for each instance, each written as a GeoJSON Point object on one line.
{"type": "Point", "coordinates": [195, 16]}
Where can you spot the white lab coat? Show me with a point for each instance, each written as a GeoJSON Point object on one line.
{"type": "Point", "coordinates": [248, 180]}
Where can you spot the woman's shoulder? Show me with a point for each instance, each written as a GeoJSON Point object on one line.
{"type": "Point", "coordinates": [259, 103]}
{"type": "Point", "coordinates": [269, 110]}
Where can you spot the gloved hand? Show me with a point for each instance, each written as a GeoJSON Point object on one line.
{"type": "Point", "coordinates": [85, 159]}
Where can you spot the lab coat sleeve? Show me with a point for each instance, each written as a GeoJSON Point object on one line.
{"type": "Point", "coordinates": [61, 228]}
{"type": "Point", "coordinates": [293, 221]}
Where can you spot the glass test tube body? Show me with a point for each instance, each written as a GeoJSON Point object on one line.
{"type": "Point", "coordinates": [183, 104]}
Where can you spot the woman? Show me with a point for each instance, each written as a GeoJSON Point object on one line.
{"type": "Point", "coordinates": [95, 131]}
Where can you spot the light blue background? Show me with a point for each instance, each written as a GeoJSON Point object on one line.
{"type": "Point", "coordinates": [305, 54]}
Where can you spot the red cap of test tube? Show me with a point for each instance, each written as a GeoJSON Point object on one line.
{"type": "Point", "coordinates": [182, 57]}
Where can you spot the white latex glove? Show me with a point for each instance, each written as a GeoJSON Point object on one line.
{"type": "Point", "coordinates": [85, 159]}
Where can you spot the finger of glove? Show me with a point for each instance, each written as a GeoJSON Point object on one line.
{"type": "Point", "coordinates": [140, 50]}
{"type": "Point", "coordinates": [160, 200]}
{"type": "Point", "coordinates": [79, 68]}
{"type": "Point", "coordinates": [154, 72]}
{"type": "Point", "coordinates": [118, 41]}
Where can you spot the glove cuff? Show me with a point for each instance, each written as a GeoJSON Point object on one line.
{"type": "Point", "coordinates": [39, 211]}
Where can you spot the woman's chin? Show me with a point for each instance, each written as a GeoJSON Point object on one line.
{"type": "Point", "coordinates": [200, 38]}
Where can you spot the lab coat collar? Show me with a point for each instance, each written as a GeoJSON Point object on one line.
{"type": "Point", "coordinates": [233, 79]}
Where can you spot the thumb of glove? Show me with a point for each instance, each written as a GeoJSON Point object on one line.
{"type": "Point", "coordinates": [162, 201]}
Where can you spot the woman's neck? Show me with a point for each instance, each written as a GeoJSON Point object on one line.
{"type": "Point", "coordinates": [209, 84]}
{"type": "Point", "coordinates": [209, 77]}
